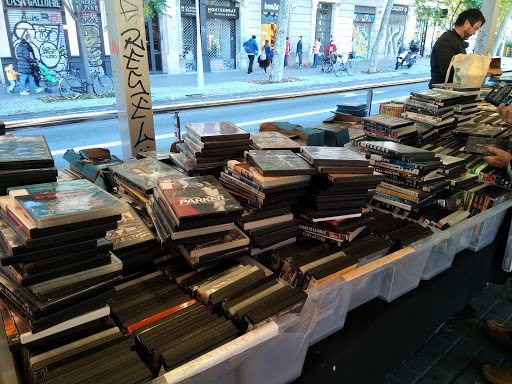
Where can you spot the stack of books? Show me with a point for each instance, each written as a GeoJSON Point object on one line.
{"type": "Point", "coordinates": [354, 109]}
{"type": "Point", "coordinates": [25, 160]}
{"type": "Point", "coordinates": [273, 140]}
{"type": "Point", "coordinates": [57, 269]}
{"type": "Point", "coordinates": [408, 171]}
{"type": "Point", "coordinates": [343, 184]}
{"type": "Point", "coordinates": [268, 185]}
{"type": "Point", "coordinates": [208, 145]}
{"type": "Point", "coordinates": [385, 127]}
{"type": "Point", "coordinates": [197, 215]}
{"type": "Point", "coordinates": [465, 110]}
{"type": "Point", "coordinates": [391, 109]}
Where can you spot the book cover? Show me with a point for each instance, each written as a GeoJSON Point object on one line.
{"type": "Point", "coordinates": [60, 203]}
{"type": "Point", "coordinates": [478, 145]}
{"type": "Point", "coordinates": [144, 173]}
{"type": "Point", "coordinates": [279, 163]}
{"type": "Point", "coordinates": [194, 197]}
{"type": "Point", "coordinates": [333, 156]}
{"type": "Point", "coordinates": [130, 231]}
{"type": "Point", "coordinates": [252, 173]}
{"type": "Point", "coordinates": [24, 152]}
{"type": "Point", "coordinates": [272, 140]}
{"type": "Point", "coordinates": [216, 131]}
{"type": "Point", "coordinates": [437, 95]}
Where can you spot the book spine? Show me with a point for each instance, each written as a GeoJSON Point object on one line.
{"type": "Point", "coordinates": [245, 199]}
{"type": "Point", "coordinates": [402, 196]}
{"type": "Point", "coordinates": [404, 191]}
{"type": "Point", "coordinates": [389, 201]}
{"type": "Point", "coordinates": [246, 173]}
{"type": "Point", "coordinates": [393, 161]}
{"type": "Point", "coordinates": [246, 180]}
{"type": "Point", "coordinates": [325, 233]}
{"type": "Point", "coordinates": [321, 238]}
{"type": "Point", "coordinates": [242, 184]}
{"type": "Point", "coordinates": [241, 191]}
{"type": "Point", "coordinates": [395, 167]}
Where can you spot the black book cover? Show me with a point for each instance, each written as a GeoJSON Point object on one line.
{"type": "Point", "coordinates": [279, 163]}
{"type": "Point", "coordinates": [397, 149]}
{"type": "Point", "coordinates": [501, 93]}
{"type": "Point", "coordinates": [333, 156]}
{"type": "Point", "coordinates": [217, 131]}
{"type": "Point", "coordinates": [22, 152]}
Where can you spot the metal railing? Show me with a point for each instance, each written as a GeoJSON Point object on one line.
{"type": "Point", "coordinates": [79, 117]}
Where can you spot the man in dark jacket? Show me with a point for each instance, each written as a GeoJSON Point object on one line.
{"type": "Point", "coordinates": [452, 43]}
{"type": "Point", "coordinates": [299, 51]}
{"type": "Point", "coordinates": [251, 47]}
{"type": "Point", "coordinates": [25, 67]}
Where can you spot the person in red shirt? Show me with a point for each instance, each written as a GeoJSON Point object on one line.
{"type": "Point", "coordinates": [286, 53]}
{"type": "Point", "coordinates": [331, 48]}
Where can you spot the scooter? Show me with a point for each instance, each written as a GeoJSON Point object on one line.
{"type": "Point", "coordinates": [406, 59]}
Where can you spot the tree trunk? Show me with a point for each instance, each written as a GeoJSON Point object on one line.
{"type": "Point", "coordinates": [374, 52]}
{"type": "Point", "coordinates": [276, 75]}
{"type": "Point", "coordinates": [500, 36]}
{"type": "Point", "coordinates": [85, 57]}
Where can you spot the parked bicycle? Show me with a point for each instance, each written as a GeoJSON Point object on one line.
{"type": "Point", "coordinates": [73, 85]}
{"type": "Point", "coordinates": [343, 65]}
{"type": "Point", "coordinates": [17, 87]}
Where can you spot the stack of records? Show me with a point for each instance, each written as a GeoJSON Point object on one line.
{"type": "Point", "coordinates": [273, 140]}
{"type": "Point", "coordinates": [100, 354]}
{"type": "Point", "coordinates": [268, 199]}
{"type": "Point", "coordinates": [469, 99]}
{"type": "Point", "coordinates": [136, 179]}
{"type": "Point", "coordinates": [343, 185]}
{"type": "Point", "coordinates": [25, 160]}
{"type": "Point", "coordinates": [354, 109]}
{"type": "Point", "coordinates": [407, 171]}
{"type": "Point", "coordinates": [385, 127]}
{"type": "Point", "coordinates": [197, 215]}
{"type": "Point", "coordinates": [208, 145]}
{"type": "Point", "coordinates": [134, 243]}
{"type": "Point", "coordinates": [56, 265]}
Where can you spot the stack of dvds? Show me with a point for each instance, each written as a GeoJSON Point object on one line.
{"type": "Point", "coordinates": [57, 268]}
{"type": "Point", "coordinates": [397, 229]}
{"type": "Point", "coordinates": [354, 109]}
{"type": "Point", "coordinates": [134, 243]}
{"type": "Point", "coordinates": [136, 179]}
{"type": "Point", "coordinates": [208, 145]}
{"type": "Point", "coordinates": [25, 160]}
{"type": "Point", "coordinates": [197, 215]}
{"type": "Point", "coordinates": [273, 140]}
{"type": "Point", "coordinates": [268, 186]}
{"type": "Point", "coordinates": [465, 110]}
{"type": "Point", "coordinates": [385, 127]}
{"type": "Point", "coordinates": [343, 185]}
{"type": "Point", "coordinates": [407, 171]}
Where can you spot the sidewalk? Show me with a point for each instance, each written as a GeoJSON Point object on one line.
{"type": "Point", "coordinates": [173, 89]}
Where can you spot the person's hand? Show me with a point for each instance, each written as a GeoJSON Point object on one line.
{"type": "Point", "coordinates": [505, 111]}
{"type": "Point", "coordinates": [501, 158]}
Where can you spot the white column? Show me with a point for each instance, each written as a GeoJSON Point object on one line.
{"type": "Point", "coordinates": [485, 36]}
{"type": "Point", "coordinates": [172, 42]}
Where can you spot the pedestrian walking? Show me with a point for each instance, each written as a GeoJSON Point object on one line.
{"type": "Point", "coordinates": [11, 76]}
{"type": "Point", "coordinates": [25, 68]}
{"type": "Point", "coordinates": [35, 68]}
{"type": "Point", "coordinates": [251, 48]}
{"type": "Point", "coordinates": [299, 51]}
{"type": "Point", "coordinates": [316, 51]}
{"type": "Point", "coordinates": [265, 57]}
{"type": "Point", "coordinates": [286, 53]}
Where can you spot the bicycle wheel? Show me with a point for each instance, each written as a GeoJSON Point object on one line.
{"type": "Point", "coordinates": [70, 87]}
{"type": "Point", "coordinates": [338, 69]}
{"type": "Point", "coordinates": [349, 68]}
{"type": "Point", "coordinates": [102, 84]}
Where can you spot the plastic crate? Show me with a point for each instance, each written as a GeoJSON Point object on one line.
{"type": "Point", "coordinates": [488, 223]}
{"type": "Point", "coordinates": [273, 353]}
{"type": "Point", "coordinates": [331, 299]}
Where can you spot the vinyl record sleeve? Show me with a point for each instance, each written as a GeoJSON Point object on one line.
{"type": "Point", "coordinates": [217, 131]}
{"type": "Point", "coordinates": [279, 163]}
{"type": "Point", "coordinates": [60, 203]}
{"type": "Point", "coordinates": [24, 152]}
{"type": "Point", "coordinates": [334, 156]}
{"type": "Point", "coordinates": [273, 140]}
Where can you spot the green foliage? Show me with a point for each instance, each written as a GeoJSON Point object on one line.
{"type": "Point", "coordinates": [433, 10]}
{"type": "Point", "coordinates": [154, 7]}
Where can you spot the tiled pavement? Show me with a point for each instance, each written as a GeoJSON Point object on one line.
{"type": "Point", "coordinates": [457, 351]}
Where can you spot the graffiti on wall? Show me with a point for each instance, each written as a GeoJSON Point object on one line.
{"type": "Point", "coordinates": [361, 40]}
{"type": "Point", "coordinates": [91, 23]}
{"type": "Point", "coordinates": [395, 34]}
{"type": "Point", "coordinates": [48, 39]}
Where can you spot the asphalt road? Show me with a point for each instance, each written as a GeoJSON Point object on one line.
{"type": "Point", "coordinates": [305, 111]}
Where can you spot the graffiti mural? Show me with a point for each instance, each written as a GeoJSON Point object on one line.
{"type": "Point", "coordinates": [395, 34]}
{"type": "Point", "coordinates": [361, 40]}
{"type": "Point", "coordinates": [48, 39]}
{"type": "Point", "coordinates": [93, 41]}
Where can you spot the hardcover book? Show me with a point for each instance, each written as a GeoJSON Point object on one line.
{"type": "Point", "coordinates": [437, 95]}
{"type": "Point", "coordinates": [51, 204]}
{"type": "Point", "coordinates": [279, 163]}
{"type": "Point", "coordinates": [194, 197]}
{"type": "Point", "coordinates": [333, 156]}
{"type": "Point", "coordinates": [272, 140]}
{"type": "Point", "coordinates": [478, 145]}
{"type": "Point", "coordinates": [218, 131]}
{"type": "Point", "coordinates": [24, 152]}
{"type": "Point", "coordinates": [144, 173]}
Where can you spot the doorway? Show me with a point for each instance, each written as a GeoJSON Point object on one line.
{"type": "Point", "coordinates": [153, 45]}
{"type": "Point", "coordinates": [323, 26]}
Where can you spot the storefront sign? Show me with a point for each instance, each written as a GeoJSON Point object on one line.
{"type": "Point", "coordinates": [211, 11]}
{"type": "Point", "coordinates": [399, 8]}
{"type": "Point", "coordinates": [54, 4]}
{"type": "Point", "coordinates": [269, 11]}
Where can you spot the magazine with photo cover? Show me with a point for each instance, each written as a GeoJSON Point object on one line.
{"type": "Point", "coordinates": [21, 152]}
{"type": "Point", "coordinates": [60, 203]}
{"type": "Point", "coordinates": [130, 231]}
{"type": "Point", "coordinates": [195, 197]}
{"type": "Point", "coordinates": [333, 156]}
{"type": "Point", "coordinates": [273, 140]}
{"type": "Point", "coordinates": [216, 131]}
{"type": "Point", "coordinates": [144, 173]}
{"type": "Point", "coordinates": [279, 163]}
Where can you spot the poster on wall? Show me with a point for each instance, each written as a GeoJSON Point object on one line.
{"type": "Point", "coordinates": [269, 13]}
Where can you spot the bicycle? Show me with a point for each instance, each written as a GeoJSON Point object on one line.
{"type": "Point", "coordinates": [72, 85]}
{"type": "Point", "coordinates": [17, 86]}
{"type": "Point", "coordinates": [329, 63]}
{"type": "Point", "coordinates": [343, 66]}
